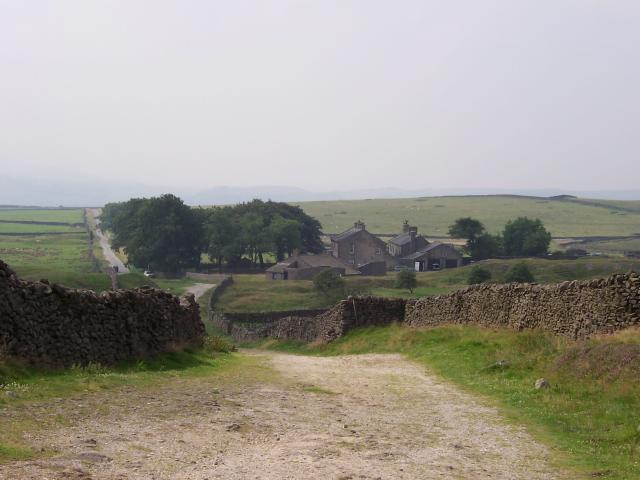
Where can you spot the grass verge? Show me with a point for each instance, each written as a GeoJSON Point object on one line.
{"type": "Point", "coordinates": [589, 417]}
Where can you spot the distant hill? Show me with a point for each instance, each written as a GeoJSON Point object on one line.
{"type": "Point", "coordinates": [77, 192]}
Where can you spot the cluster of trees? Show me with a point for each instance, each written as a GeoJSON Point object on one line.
{"type": "Point", "coordinates": [521, 237]}
{"type": "Point", "coordinates": [165, 234]}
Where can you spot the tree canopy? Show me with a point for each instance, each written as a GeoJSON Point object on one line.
{"type": "Point", "coordinates": [160, 232]}
{"type": "Point", "coordinates": [480, 244]}
{"type": "Point", "coordinates": [525, 237]}
{"type": "Point", "coordinates": [168, 235]}
{"type": "Point", "coordinates": [521, 237]}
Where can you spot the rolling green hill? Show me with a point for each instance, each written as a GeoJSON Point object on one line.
{"type": "Point", "coordinates": [433, 215]}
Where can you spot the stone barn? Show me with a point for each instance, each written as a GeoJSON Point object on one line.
{"type": "Point", "coordinates": [305, 267]}
{"type": "Point", "coordinates": [436, 256]}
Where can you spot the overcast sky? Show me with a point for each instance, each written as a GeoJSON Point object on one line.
{"type": "Point", "coordinates": [323, 94]}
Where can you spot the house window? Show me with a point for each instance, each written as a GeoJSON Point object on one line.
{"type": "Point", "coordinates": [352, 261]}
{"type": "Point", "coordinates": [353, 248]}
{"type": "Point", "coordinates": [378, 251]}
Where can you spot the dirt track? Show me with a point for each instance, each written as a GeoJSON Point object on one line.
{"type": "Point", "coordinates": [351, 417]}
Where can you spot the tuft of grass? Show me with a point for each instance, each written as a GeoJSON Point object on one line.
{"type": "Point", "coordinates": [589, 417]}
{"type": "Point", "coordinates": [320, 390]}
{"type": "Point", "coordinates": [214, 343]}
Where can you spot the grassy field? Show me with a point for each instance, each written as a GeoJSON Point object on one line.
{"type": "Point", "coordinates": [433, 215]}
{"type": "Point", "coordinates": [254, 293]}
{"type": "Point", "coordinates": [589, 417]}
{"type": "Point", "coordinates": [32, 228]}
{"type": "Point", "coordinates": [611, 247]}
{"type": "Point", "coordinates": [74, 215]}
{"type": "Point", "coordinates": [59, 258]}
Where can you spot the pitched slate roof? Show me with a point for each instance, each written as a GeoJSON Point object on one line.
{"type": "Point", "coordinates": [401, 239]}
{"type": "Point", "coordinates": [346, 234]}
{"type": "Point", "coordinates": [309, 261]}
{"type": "Point", "coordinates": [426, 249]}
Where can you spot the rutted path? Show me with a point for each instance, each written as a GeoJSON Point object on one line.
{"type": "Point", "coordinates": [349, 417]}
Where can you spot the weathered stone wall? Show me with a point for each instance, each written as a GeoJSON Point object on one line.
{"type": "Point", "coordinates": [573, 309]}
{"type": "Point", "coordinates": [310, 325]}
{"type": "Point", "coordinates": [52, 325]}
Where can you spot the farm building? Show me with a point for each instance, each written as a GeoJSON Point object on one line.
{"type": "Point", "coordinates": [407, 242]}
{"type": "Point", "coordinates": [435, 256]}
{"type": "Point", "coordinates": [358, 247]}
{"type": "Point", "coordinates": [305, 267]}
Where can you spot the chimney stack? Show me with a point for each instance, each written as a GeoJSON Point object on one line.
{"type": "Point", "coordinates": [359, 225]}
{"type": "Point", "coordinates": [405, 226]}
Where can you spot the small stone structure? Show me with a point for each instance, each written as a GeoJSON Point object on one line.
{"type": "Point", "coordinates": [52, 325]}
{"type": "Point", "coordinates": [574, 309]}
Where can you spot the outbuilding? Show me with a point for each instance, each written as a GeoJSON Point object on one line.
{"type": "Point", "coordinates": [435, 256]}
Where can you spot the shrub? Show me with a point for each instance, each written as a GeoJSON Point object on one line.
{"type": "Point", "coordinates": [329, 285]}
{"type": "Point", "coordinates": [406, 279]}
{"type": "Point", "coordinates": [478, 275]}
{"type": "Point", "coordinates": [214, 343]}
{"type": "Point", "coordinates": [519, 273]}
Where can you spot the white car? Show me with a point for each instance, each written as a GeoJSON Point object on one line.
{"type": "Point", "coordinates": [149, 273]}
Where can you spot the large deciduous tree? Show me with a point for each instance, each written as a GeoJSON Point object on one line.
{"type": "Point", "coordinates": [160, 232]}
{"type": "Point", "coordinates": [526, 237]}
{"type": "Point", "coordinates": [480, 244]}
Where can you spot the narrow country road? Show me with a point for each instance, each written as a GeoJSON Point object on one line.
{"type": "Point", "coordinates": [199, 289]}
{"type": "Point", "coordinates": [280, 416]}
{"type": "Point", "coordinates": [108, 253]}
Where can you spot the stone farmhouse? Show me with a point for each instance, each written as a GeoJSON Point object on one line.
{"type": "Point", "coordinates": [359, 252]}
{"type": "Point", "coordinates": [407, 242]}
{"type": "Point", "coordinates": [363, 250]}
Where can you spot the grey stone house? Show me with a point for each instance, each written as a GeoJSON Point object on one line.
{"type": "Point", "coordinates": [305, 267]}
{"type": "Point", "coordinates": [407, 242]}
{"type": "Point", "coordinates": [359, 248]}
{"type": "Point", "coordinates": [435, 256]}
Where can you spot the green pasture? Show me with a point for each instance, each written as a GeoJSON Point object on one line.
{"type": "Point", "coordinates": [74, 215]}
{"type": "Point", "coordinates": [254, 293]}
{"type": "Point", "coordinates": [34, 228]}
{"type": "Point", "coordinates": [613, 247]}
{"type": "Point", "coordinates": [58, 258]}
{"type": "Point", "coordinates": [433, 215]}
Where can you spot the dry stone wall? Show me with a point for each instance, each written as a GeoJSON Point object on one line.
{"type": "Point", "coordinates": [52, 325]}
{"type": "Point", "coordinates": [574, 309]}
{"type": "Point", "coordinates": [310, 325]}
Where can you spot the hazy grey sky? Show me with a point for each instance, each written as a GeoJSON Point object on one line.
{"type": "Point", "coordinates": [323, 94]}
